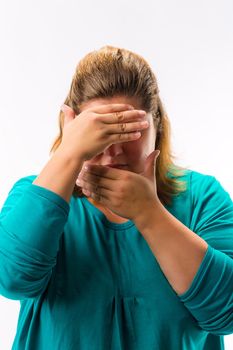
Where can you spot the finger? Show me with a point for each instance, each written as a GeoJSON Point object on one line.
{"type": "Point", "coordinates": [94, 180]}
{"type": "Point", "coordinates": [124, 128]}
{"type": "Point", "coordinates": [122, 116]}
{"type": "Point", "coordinates": [111, 108]}
{"type": "Point", "coordinates": [103, 171]}
{"type": "Point", "coordinates": [98, 193]}
{"type": "Point", "coordinates": [124, 137]}
{"type": "Point", "coordinates": [69, 113]}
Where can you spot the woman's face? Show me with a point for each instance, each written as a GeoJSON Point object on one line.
{"type": "Point", "coordinates": [132, 153]}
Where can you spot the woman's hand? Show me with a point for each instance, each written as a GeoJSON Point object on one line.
{"type": "Point", "coordinates": [125, 193]}
{"type": "Point", "coordinates": [95, 129]}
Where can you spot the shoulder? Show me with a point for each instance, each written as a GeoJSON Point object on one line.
{"type": "Point", "coordinates": [200, 182]}
{"type": "Point", "coordinates": [212, 210]}
{"type": "Point", "coordinates": [203, 186]}
{"type": "Point", "coordinates": [24, 188]}
{"type": "Point", "coordinates": [22, 183]}
{"type": "Point", "coordinates": [194, 179]}
{"type": "Point", "coordinates": [15, 193]}
{"type": "Point", "coordinates": [206, 184]}
{"type": "Point", "coordinates": [198, 178]}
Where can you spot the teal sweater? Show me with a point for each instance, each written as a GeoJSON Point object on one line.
{"type": "Point", "coordinates": [85, 283]}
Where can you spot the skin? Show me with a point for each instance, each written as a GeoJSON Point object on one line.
{"type": "Point", "coordinates": [178, 250]}
{"type": "Point", "coordinates": [133, 153]}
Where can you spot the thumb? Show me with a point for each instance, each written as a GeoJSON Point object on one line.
{"type": "Point", "coordinates": [150, 164]}
{"type": "Point", "coordinates": [156, 156]}
{"type": "Point", "coordinates": [69, 114]}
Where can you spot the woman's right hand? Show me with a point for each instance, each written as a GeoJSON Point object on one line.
{"type": "Point", "coordinates": [93, 130]}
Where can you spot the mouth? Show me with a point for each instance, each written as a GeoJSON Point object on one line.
{"type": "Point", "coordinates": [119, 166]}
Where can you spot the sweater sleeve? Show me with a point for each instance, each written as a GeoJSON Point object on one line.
{"type": "Point", "coordinates": [210, 296]}
{"type": "Point", "coordinates": [31, 223]}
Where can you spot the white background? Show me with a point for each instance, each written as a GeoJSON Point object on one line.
{"type": "Point", "coordinates": [188, 44]}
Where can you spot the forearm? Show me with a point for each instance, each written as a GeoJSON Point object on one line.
{"type": "Point", "coordinates": [178, 250]}
{"type": "Point", "coordinates": [60, 174]}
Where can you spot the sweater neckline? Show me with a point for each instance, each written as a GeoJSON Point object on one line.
{"type": "Point", "coordinates": [96, 211]}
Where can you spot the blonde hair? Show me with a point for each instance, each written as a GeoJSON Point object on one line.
{"type": "Point", "coordinates": [113, 71]}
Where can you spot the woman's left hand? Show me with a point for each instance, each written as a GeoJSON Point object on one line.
{"type": "Point", "coordinates": [125, 193]}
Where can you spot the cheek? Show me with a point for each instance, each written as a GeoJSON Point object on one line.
{"type": "Point", "coordinates": [137, 151]}
{"type": "Point", "coordinates": [93, 160]}
{"type": "Point", "coordinates": [134, 150]}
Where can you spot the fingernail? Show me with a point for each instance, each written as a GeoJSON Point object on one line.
{"type": "Point", "coordinates": [142, 113]}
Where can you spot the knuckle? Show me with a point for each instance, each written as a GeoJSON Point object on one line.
{"type": "Point", "coordinates": [96, 117]}
{"type": "Point", "coordinates": [122, 126]}
{"type": "Point", "coordinates": [120, 116]}
{"type": "Point", "coordinates": [139, 125]}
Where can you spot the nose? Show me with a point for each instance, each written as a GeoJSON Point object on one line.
{"type": "Point", "coordinates": [113, 150]}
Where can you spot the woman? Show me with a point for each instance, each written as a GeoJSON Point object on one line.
{"type": "Point", "coordinates": [133, 252]}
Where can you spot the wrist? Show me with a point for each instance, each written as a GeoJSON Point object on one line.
{"type": "Point", "coordinates": [77, 159]}
{"type": "Point", "coordinates": [149, 214]}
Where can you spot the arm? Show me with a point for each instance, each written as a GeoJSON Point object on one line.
{"type": "Point", "coordinates": [60, 174]}
{"type": "Point", "coordinates": [178, 250]}
{"type": "Point", "coordinates": [198, 261]}
{"type": "Point", "coordinates": [32, 220]}
{"type": "Point", "coordinates": [31, 223]}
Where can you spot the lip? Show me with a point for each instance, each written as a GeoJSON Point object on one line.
{"type": "Point", "coordinates": [115, 165]}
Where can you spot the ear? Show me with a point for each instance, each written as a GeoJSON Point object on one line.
{"type": "Point", "coordinates": [69, 114]}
